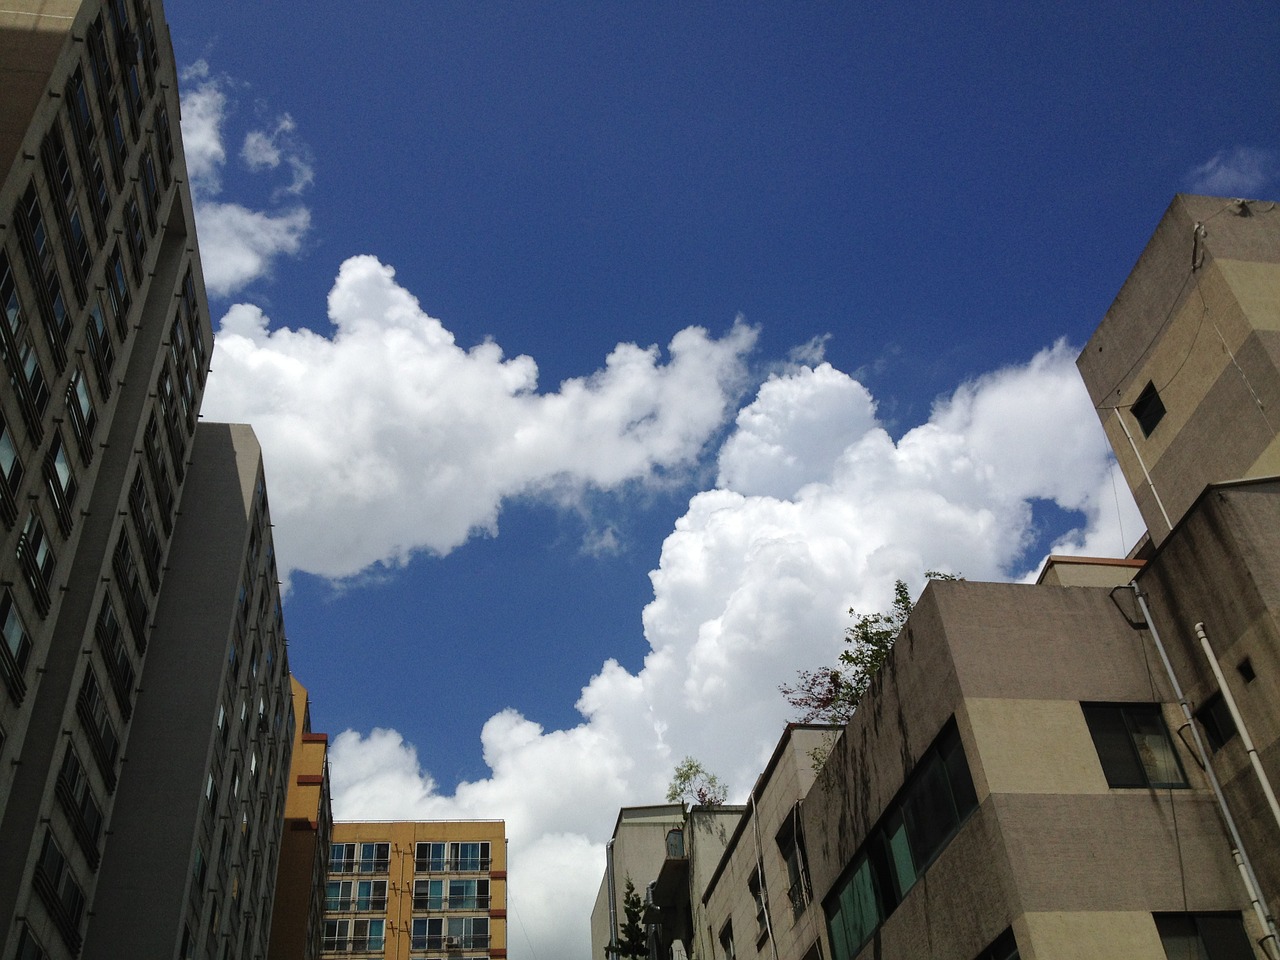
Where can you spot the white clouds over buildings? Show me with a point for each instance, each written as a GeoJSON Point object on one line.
{"type": "Point", "coordinates": [817, 509]}
{"type": "Point", "coordinates": [384, 437]}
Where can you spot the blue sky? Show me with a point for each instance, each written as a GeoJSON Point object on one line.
{"type": "Point", "coordinates": [863, 241]}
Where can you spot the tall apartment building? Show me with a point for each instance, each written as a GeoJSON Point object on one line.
{"type": "Point", "coordinates": [142, 721]}
{"type": "Point", "coordinates": [402, 889]}
{"type": "Point", "coordinates": [1082, 766]}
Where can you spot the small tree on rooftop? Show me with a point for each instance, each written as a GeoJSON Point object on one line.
{"type": "Point", "coordinates": [831, 694]}
{"type": "Point", "coordinates": [693, 783]}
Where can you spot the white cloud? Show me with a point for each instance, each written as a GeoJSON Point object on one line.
{"type": "Point", "coordinates": [405, 442]}
{"type": "Point", "coordinates": [1241, 172]}
{"type": "Point", "coordinates": [266, 149]}
{"type": "Point", "coordinates": [237, 244]}
{"type": "Point", "coordinates": [817, 510]}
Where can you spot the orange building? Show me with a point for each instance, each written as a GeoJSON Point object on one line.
{"type": "Point", "coordinates": [430, 889]}
{"type": "Point", "coordinates": [304, 845]}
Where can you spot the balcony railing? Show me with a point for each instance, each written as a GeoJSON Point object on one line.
{"type": "Point", "coordinates": [355, 904]}
{"type": "Point", "coordinates": [360, 866]}
{"type": "Point", "coordinates": [471, 903]}
{"type": "Point", "coordinates": [452, 865]}
{"type": "Point", "coordinates": [352, 944]}
{"type": "Point", "coordinates": [449, 943]}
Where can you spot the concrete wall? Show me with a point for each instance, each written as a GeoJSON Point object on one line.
{"type": "Point", "coordinates": [795, 929]}
{"type": "Point", "coordinates": [1051, 850]}
{"type": "Point", "coordinates": [1208, 338]}
{"type": "Point", "coordinates": [639, 849]}
{"type": "Point", "coordinates": [1221, 567]}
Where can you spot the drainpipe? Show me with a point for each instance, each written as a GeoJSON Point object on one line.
{"type": "Point", "coordinates": [1270, 940]}
{"type": "Point", "coordinates": [764, 898]}
{"type": "Point", "coordinates": [612, 948]}
{"type": "Point", "coordinates": [1239, 721]}
{"type": "Point", "coordinates": [1150, 483]}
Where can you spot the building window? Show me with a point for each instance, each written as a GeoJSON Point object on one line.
{"type": "Point", "coordinates": [92, 709]}
{"type": "Point", "coordinates": [428, 895]}
{"type": "Point", "coordinates": [915, 828]}
{"type": "Point", "coordinates": [83, 417]}
{"type": "Point", "coordinates": [759, 897]}
{"type": "Point", "coordinates": [1203, 936]}
{"type": "Point", "coordinates": [359, 857]}
{"type": "Point", "coordinates": [469, 856]}
{"type": "Point", "coordinates": [371, 895]}
{"type": "Point", "coordinates": [17, 647]}
{"type": "Point", "coordinates": [467, 894]}
{"type": "Point", "coordinates": [1215, 717]}
{"type": "Point", "coordinates": [62, 895]}
{"type": "Point", "coordinates": [1133, 745]}
{"type": "Point", "coordinates": [35, 556]}
{"type": "Point", "coordinates": [77, 800]}
{"type": "Point", "coordinates": [61, 481]}
{"type": "Point", "coordinates": [427, 933]}
{"type": "Point", "coordinates": [469, 933]}
{"type": "Point", "coordinates": [10, 475]}
{"type": "Point", "coordinates": [367, 934]}
{"type": "Point", "coordinates": [726, 941]}
{"type": "Point", "coordinates": [790, 840]}
{"type": "Point", "coordinates": [337, 895]}
{"type": "Point", "coordinates": [1148, 409]}
{"type": "Point", "coordinates": [428, 857]}
{"type": "Point", "coordinates": [1003, 947]}
{"type": "Point", "coordinates": [28, 946]}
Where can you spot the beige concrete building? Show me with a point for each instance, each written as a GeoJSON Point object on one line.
{"type": "Point", "coordinates": [760, 895]}
{"type": "Point", "coordinates": [429, 889]}
{"type": "Point", "coordinates": [1184, 369]}
{"type": "Point", "coordinates": [662, 847]}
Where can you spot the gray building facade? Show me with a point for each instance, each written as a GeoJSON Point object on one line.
{"type": "Point", "coordinates": [141, 673]}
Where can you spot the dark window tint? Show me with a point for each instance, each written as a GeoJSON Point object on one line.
{"type": "Point", "coordinates": [1148, 409]}
{"type": "Point", "coordinates": [1133, 745]}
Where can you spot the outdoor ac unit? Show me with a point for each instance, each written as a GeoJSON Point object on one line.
{"type": "Point", "coordinates": [453, 941]}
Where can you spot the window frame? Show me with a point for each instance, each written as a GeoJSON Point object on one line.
{"type": "Point", "coordinates": [1101, 720]}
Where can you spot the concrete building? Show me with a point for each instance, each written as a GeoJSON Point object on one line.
{"type": "Point", "coordinates": [667, 852]}
{"type": "Point", "coordinates": [430, 889]}
{"type": "Point", "coordinates": [760, 894]}
{"type": "Point", "coordinates": [1184, 369]}
{"type": "Point", "coordinates": [144, 720]}
{"type": "Point", "coordinates": [195, 833]}
{"type": "Point", "coordinates": [1084, 766]}
{"type": "Point", "coordinates": [296, 919]}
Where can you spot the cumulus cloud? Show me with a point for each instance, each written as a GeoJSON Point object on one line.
{"type": "Point", "coordinates": [1241, 172]}
{"type": "Point", "coordinates": [816, 509]}
{"type": "Point", "coordinates": [407, 442]}
{"type": "Point", "coordinates": [238, 244]}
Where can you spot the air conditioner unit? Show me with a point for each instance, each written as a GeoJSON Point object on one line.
{"type": "Point", "coordinates": [453, 941]}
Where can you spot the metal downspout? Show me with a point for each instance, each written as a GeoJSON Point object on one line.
{"type": "Point", "coordinates": [764, 898]}
{"type": "Point", "coordinates": [1150, 483]}
{"type": "Point", "coordinates": [1239, 721]}
{"type": "Point", "coordinates": [612, 948]}
{"type": "Point", "coordinates": [1270, 941]}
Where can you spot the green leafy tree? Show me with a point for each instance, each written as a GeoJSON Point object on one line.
{"type": "Point", "coordinates": [693, 783]}
{"type": "Point", "coordinates": [831, 694]}
{"type": "Point", "coordinates": [633, 944]}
